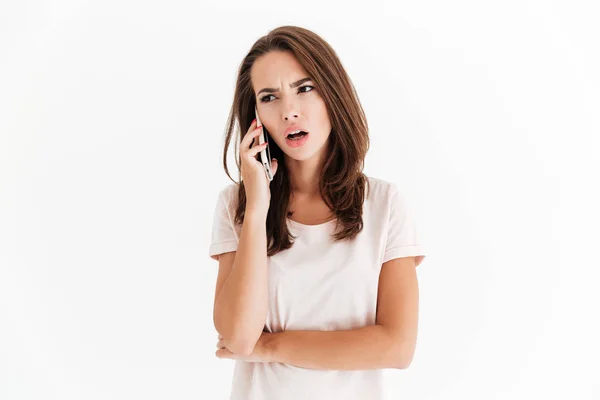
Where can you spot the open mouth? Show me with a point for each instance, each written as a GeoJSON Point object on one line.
{"type": "Point", "coordinates": [297, 136]}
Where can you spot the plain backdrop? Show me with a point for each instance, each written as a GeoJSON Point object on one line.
{"type": "Point", "coordinates": [112, 116]}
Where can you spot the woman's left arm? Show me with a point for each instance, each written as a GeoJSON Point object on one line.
{"type": "Point", "coordinates": [390, 343]}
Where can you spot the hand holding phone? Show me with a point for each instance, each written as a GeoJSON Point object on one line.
{"type": "Point", "coordinates": [265, 154]}
{"type": "Point", "coordinates": [252, 171]}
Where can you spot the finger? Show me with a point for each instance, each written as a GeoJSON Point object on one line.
{"type": "Point", "coordinates": [274, 166]}
{"type": "Point", "coordinates": [248, 134]}
{"type": "Point", "coordinates": [248, 140]}
{"type": "Point", "coordinates": [256, 149]}
{"type": "Point", "coordinates": [224, 353]}
{"type": "Point", "coordinates": [254, 135]}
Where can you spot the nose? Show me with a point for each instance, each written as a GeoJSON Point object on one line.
{"type": "Point", "coordinates": [290, 110]}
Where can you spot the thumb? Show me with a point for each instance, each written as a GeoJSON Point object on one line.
{"type": "Point", "coordinates": [274, 166]}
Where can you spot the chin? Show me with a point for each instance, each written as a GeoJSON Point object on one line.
{"type": "Point", "coordinates": [304, 153]}
{"type": "Point", "coordinates": [299, 157]}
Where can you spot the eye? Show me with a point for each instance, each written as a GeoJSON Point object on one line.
{"type": "Point", "coordinates": [262, 99]}
{"type": "Point", "coordinates": [306, 86]}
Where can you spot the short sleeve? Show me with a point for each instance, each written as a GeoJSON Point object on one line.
{"type": "Point", "coordinates": [402, 236]}
{"type": "Point", "coordinates": [224, 237]}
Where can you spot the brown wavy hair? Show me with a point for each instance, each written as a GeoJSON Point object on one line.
{"type": "Point", "coordinates": [342, 184]}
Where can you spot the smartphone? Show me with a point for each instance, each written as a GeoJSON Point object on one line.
{"type": "Point", "coordinates": [265, 154]}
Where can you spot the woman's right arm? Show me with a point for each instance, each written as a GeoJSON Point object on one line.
{"type": "Point", "coordinates": [241, 296]}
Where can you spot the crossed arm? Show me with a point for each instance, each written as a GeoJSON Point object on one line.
{"type": "Point", "coordinates": [390, 343]}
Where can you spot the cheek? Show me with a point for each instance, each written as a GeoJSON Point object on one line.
{"type": "Point", "coordinates": [322, 116]}
{"type": "Point", "coordinates": [278, 142]}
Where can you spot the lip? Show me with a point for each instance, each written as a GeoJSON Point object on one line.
{"type": "Point", "coordinates": [292, 129]}
{"type": "Point", "coordinates": [297, 143]}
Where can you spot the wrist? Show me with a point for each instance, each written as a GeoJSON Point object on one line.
{"type": "Point", "coordinates": [256, 214]}
{"type": "Point", "coordinates": [268, 346]}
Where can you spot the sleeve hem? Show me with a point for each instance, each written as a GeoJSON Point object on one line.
{"type": "Point", "coordinates": [416, 251]}
{"type": "Point", "coordinates": [223, 247]}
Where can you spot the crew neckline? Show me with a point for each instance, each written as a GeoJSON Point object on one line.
{"type": "Point", "coordinates": [316, 226]}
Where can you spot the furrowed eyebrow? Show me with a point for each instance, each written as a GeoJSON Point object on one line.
{"type": "Point", "coordinates": [292, 85]}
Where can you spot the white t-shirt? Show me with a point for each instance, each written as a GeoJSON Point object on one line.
{"type": "Point", "coordinates": [319, 284]}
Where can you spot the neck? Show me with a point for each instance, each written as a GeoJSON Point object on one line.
{"type": "Point", "coordinates": [304, 185]}
{"type": "Point", "coordinates": [304, 176]}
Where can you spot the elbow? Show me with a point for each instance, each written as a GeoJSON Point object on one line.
{"type": "Point", "coordinates": [238, 336]}
{"type": "Point", "coordinates": [241, 347]}
{"type": "Point", "coordinates": [238, 344]}
{"type": "Point", "coordinates": [401, 356]}
{"type": "Point", "coordinates": [402, 363]}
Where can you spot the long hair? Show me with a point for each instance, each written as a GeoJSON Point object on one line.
{"type": "Point", "coordinates": [341, 181]}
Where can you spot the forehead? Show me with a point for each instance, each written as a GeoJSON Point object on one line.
{"type": "Point", "coordinates": [274, 67]}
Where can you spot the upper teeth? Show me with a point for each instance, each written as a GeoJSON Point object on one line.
{"type": "Point", "coordinates": [292, 133]}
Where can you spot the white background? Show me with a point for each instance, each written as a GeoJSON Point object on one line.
{"type": "Point", "coordinates": [112, 116]}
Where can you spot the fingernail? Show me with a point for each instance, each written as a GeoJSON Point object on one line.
{"type": "Point", "coordinates": [253, 121]}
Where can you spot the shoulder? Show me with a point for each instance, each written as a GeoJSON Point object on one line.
{"type": "Point", "coordinates": [226, 199]}
{"type": "Point", "coordinates": [387, 197]}
{"type": "Point", "coordinates": [229, 192]}
{"type": "Point", "coordinates": [381, 190]}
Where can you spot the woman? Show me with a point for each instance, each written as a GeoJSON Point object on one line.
{"type": "Point", "coordinates": [317, 290]}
